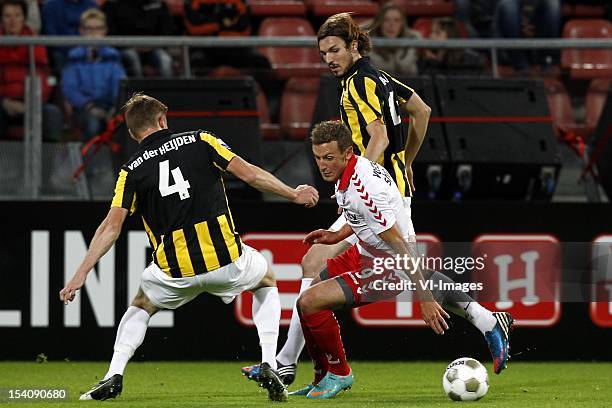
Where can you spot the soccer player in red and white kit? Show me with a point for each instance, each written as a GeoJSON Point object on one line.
{"type": "Point", "coordinates": [374, 211]}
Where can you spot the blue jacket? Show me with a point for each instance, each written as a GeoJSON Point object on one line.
{"type": "Point", "coordinates": [84, 80]}
{"type": "Point", "coordinates": [61, 17]}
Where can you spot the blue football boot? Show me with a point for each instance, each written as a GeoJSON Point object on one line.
{"type": "Point", "coordinates": [302, 391]}
{"type": "Point", "coordinates": [252, 372]}
{"type": "Point", "coordinates": [267, 378]}
{"type": "Point", "coordinates": [498, 340]}
{"type": "Point", "coordinates": [331, 385]}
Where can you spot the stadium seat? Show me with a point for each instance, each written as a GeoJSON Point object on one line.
{"type": "Point", "coordinates": [595, 101]}
{"type": "Point", "coordinates": [427, 8]}
{"type": "Point", "coordinates": [560, 106]}
{"type": "Point", "coordinates": [268, 130]}
{"type": "Point", "coordinates": [289, 62]}
{"type": "Point", "coordinates": [297, 107]}
{"type": "Point", "coordinates": [423, 26]}
{"type": "Point", "coordinates": [277, 8]}
{"type": "Point", "coordinates": [587, 64]}
{"type": "Point", "coordinates": [582, 10]}
{"type": "Point", "coordinates": [325, 8]}
{"type": "Point", "coordinates": [15, 132]}
{"type": "Point", "coordinates": [176, 7]}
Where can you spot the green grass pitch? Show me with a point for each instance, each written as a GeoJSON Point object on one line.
{"type": "Point", "coordinates": [377, 384]}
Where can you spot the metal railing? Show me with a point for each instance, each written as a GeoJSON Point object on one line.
{"type": "Point", "coordinates": [493, 45]}
{"type": "Point", "coordinates": [33, 117]}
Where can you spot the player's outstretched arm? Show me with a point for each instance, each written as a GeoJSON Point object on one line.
{"type": "Point", "coordinates": [433, 313]}
{"type": "Point", "coordinates": [104, 238]}
{"type": "Point", "coordinates": [419, 111]}
{"type": "Point", "coordinates": [265, 182]}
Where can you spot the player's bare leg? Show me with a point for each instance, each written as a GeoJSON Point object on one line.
{"type": "Point", "coordinates": [313, 263]}
{"type": "Point", "coordinates": [130, 335]}
{"type": "Point", "coordinates": [323, 340]}
{"type": "Point", "coordinates": [266, 316]}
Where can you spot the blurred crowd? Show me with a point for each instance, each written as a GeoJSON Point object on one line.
{"type": "Point", "coordinates": [80, 85]}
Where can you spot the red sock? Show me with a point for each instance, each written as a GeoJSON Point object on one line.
{"type": "Point", "coordinates": [325, 333]}
{"type": "Point", "coordinates": [319, 359]}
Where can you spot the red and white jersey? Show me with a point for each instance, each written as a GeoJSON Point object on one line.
{"type": "Point", "coordinates": [371, 203]}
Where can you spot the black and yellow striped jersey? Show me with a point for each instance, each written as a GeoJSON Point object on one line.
{"type": "Point", "coordinates": [369, 94]}
{"type": "Point", "coordinates": [174, 181]}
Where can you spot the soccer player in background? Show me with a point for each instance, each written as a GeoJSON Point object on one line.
{"type": "Point", "coordinates": [174, 181]}
{"type": "Point", "coordinates": [370, 106]}
{"type": "Point", "coordinates": [374, 209]}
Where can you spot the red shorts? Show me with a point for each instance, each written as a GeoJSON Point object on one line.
{"type": "Point", "coordinates": [360, 284]}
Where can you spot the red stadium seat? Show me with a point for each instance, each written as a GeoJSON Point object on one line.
{"type": "Point", "coordinates": [325, 8]}
{"type": "Point", "coordinates": [587, 64]}
{"type": "Point", "coordinates": [268, 130]}
{"type": "Point", "coordinates": [427, 8]}
{"type": "Point", "coordinates": [423, 26]}
{"type": "Point", "coordinates": [15, 132]}
{"type": "Point", "coordinates": [297, 106]}
{"type": "Point", "coordinates": [176, 7]}
{"type": "Point", "coordinates": [582, 10]}
{"type": "Point", "coordinates": [288, 62]}
{"type": "Point", "coordinates": [277, 8]}
{"type": "Point", "coordinates": [560, 106]}
{"type": "Point", "coordinates": [595, 101]}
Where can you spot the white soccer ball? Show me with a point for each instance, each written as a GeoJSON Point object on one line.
{"type": "Point", "coordinates": [465, 379]}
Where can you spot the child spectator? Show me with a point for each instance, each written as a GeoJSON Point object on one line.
{"type": "Point", "coordinates": [90, 79]}
{"type": "Point", "coordinates": [449, 60]}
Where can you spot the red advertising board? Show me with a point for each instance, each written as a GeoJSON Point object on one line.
{"type": "Point", "coordinates": [521, 275]}
{"type": "Point", "coordinates": [601, 279]}
{"type": "Point", "coordinates": [284, 254]}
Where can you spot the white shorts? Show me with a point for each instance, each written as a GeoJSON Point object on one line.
{"type": "Point", "coordinates": [352, 240]}
{"type": "Point", "coordinates": [226, 282]}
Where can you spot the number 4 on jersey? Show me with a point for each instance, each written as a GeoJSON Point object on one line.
{"type": "Point", "coordinates": [180, 186]}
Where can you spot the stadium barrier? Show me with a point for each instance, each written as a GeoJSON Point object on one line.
{"type": "Point", "coordinates": [44, 242]}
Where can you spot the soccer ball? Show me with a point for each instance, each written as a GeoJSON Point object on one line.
{"type": "Point", "coordinates": [465, 379]}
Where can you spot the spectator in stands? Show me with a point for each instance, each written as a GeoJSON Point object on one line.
{"type": "Point", "coordinates": [223, 18]}
{"type": "Point", "coordinates": [14, 68]}
{"type": "Point", "coordinates": [90, 80]}
{"type": "Point", "coordinates": [390, 22]}
{"type": "Point", "coordinates": [477, 16]}
{"type": "Point", "coordinates": [61, 17]}
{"type": "Point", "coordinates": [529, 19]}
{"type": "Point", "coordinates": [445, 60]}
{"type": "Point", "coordinates": [145, 18]}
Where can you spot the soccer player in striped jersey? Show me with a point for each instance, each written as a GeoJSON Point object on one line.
{"type": "Point", "coordinates": [371, 106]}
{"type": "Point", "coordinates": [174, 181]}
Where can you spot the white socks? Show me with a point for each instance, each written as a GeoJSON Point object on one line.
{"type": "Point", "coordinates": [130, 334]}
{"type": "Point", "coordinates": [480, 317]}
{"type": "Point", "coordinates": [295, 338]}
{"type": "Point", "coordinates": [266, 315]}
